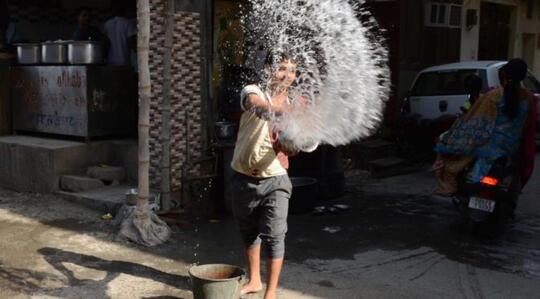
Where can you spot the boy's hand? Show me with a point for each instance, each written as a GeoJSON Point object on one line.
{"type": "Point", "coordinates": [288, 151]}
{"type": "Point", "coordinates": [285, 147]}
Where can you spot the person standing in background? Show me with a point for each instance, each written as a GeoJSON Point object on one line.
{"type": "Point", "coordinates": [85, 31]}
{"type": "Point", "coordinates": [132, 15]}
{"type": "Point", "coordinates": [122, 34]}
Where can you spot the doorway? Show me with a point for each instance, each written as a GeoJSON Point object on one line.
{"type": "Point", "coordinates": [495, 30]}
{"type": "Point", "coordinates": [528, 43]}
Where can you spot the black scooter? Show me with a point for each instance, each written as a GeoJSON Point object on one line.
{"type": "Point", "coordinates": [488, 205]}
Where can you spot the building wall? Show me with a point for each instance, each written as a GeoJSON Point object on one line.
{"type": "Point", "coordinates": [423, 46]}
{"type": "Point", "coordinates": [520, 24]}
{"type": "Point", "coordinates": [470, 36]}
{"type": "Point", "coordinates": [229, 58]}
{"type": "Point", "coordinates": [530, 27]}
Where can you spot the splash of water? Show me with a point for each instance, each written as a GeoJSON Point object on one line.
{"type": "Point", "coordinates": [343, 73]}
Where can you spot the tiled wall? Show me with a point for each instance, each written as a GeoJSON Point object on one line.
{"type": "Point", "coordinates": [186, 124]}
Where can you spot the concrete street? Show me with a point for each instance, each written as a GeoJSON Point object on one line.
{"type": "Point", "coordinates": [396, 242]}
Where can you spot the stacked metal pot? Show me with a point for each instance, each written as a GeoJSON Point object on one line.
{"type": "Point", "coordinates": [60, 52]}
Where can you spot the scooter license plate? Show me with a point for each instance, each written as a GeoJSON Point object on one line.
{"type": "Point", "coordinates": [482, 204]}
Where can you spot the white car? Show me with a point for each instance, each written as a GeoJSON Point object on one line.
{"type": "Point", "coordinates": [440, 90]}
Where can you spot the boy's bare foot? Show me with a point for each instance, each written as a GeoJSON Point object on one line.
{"type": "Point", "coordinates": [251, 287]}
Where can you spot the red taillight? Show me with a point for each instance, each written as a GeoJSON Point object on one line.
{"type": "Point", "coordinates": [490, 181]}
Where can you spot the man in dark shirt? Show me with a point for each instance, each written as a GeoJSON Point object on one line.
{"type": "Point", "coordinates": [84, 30]}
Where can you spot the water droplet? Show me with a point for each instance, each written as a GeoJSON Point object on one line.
{"type": "Point", "coordinates": [333, 52]}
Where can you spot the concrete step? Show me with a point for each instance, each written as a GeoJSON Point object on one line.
{"type": "Point", "coordinates": [35, 164]}
{"type": "Point", "coordinates": [32, 164]}
{"type": "Point", "coordinates": [375, 143]}
{"type": "Point", "coordinates": [376, 149]}
{"type": "Point", "coordinates": [391, 161]}
{"type": "Point", "coordinates": [108, 199]}
{"type": "Point", "coordinates": [391, 166]}
{"type": "Point", "coordinates": [107, 173]}
{"type": "Point", "coordinates": [74, 183]}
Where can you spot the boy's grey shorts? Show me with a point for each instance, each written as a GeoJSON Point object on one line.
{"type": "Point", "coordinates": [260, 207]}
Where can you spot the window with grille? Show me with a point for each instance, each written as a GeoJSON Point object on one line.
{"type": "Point", "coordinates": [439, 14]}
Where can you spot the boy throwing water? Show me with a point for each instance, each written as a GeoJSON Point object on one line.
{"type": "Point", "coordinates": [261, 185]}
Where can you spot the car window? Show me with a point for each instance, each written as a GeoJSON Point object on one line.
{"type": "Point", "coordinates": [450, 82]}
{"type": "Point", "coordinates": [531, 83]}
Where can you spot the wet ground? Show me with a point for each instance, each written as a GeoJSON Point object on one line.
{"type": "Point", "coordinates": [396, 242]}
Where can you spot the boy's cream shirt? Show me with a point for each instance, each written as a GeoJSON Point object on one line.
{"type": "Point", "coordinates": [254, 154]}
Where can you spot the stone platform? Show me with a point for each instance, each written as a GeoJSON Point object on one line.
{"type": "Point", "coordinates": [35, 164]}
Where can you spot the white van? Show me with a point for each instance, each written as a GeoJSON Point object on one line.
{"type": "Point", "coordinates": [440, 90]}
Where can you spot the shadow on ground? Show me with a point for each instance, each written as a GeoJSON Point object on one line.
{"type": "Point", "coordinates": [390, 222]}
{"type": "Point", "coordinates": [35, 282]}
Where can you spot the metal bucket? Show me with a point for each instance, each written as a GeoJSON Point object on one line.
{"type": "Point", "coordinates": [54, 52]}
{"type": "Point", "coordinates": [225, 130]}
{"type": "Point", "coordinates": [28, 53]}
{"type": "Point", "coordinates": [84, 52]}
{"type": "Point", "coordinates": [216, 281]}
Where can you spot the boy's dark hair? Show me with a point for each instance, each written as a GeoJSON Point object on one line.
{"type": "Point", "coordinates": [273, 57]}
{"type": "Point", "coordinates": [277, 56]}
